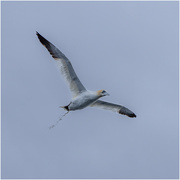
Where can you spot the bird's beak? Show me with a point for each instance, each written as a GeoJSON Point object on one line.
{"type": "Point", "coordinates": [107, 94]}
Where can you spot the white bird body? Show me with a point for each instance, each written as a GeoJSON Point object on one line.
{"type": "Point", "coordinates": [81, 98]}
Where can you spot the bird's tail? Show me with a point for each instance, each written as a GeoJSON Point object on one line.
{"type": "Point", "coordinates": [65, 107]}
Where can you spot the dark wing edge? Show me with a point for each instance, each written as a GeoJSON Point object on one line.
{"type": "Point", "coordinates": [55, 52]}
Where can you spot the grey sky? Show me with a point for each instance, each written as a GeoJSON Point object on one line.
{"type": "Point", "coordinates": [130, 49]}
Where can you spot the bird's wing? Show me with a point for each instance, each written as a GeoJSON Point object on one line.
{"type": "Point", "coordinates": [113, 107]}
{"type": "Point", "coordinates": [65, 67]}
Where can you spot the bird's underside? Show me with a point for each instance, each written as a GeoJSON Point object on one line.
{"type": "Point", "coordinates": [81, 97]}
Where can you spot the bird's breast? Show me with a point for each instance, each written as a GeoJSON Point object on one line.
{"type": "Point", "coordinates": [82, 101]}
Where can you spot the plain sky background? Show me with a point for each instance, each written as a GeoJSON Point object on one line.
{"type": "Point", "coordinates": [130, 49]}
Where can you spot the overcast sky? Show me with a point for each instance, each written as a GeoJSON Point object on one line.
{"type": "Point", "coordinates": [130, 49]}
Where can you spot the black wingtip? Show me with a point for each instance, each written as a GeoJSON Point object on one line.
{"type": "Point", "coordinates": [39, 36]}
{"type": "Point", "coordinates": [132, 115]}
{"type": "Point", "coordinates": [127, 112]}
{"type": "Point", "coordinates": [44, 41]}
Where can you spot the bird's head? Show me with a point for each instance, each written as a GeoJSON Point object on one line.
{"type": "Point", "coordinates": [102, 93]}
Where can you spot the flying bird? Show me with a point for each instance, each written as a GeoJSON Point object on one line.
{"type": "Point", "coordinates": [81, 97]}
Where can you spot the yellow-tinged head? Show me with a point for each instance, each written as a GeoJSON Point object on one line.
{"type": "Point", "coordinates": [102, 93]}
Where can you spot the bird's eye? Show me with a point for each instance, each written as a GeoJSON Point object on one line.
{"type": "Point", "coordinates": [103, 91]}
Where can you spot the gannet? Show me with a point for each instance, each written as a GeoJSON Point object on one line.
{"type": "Point", "coordinates": [81, 97]}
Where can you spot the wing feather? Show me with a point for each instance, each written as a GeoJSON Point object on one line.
{"type": "Point", "coordinates": [65, 67]}
{"type": "Point", "coordinates": [113, 107]}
